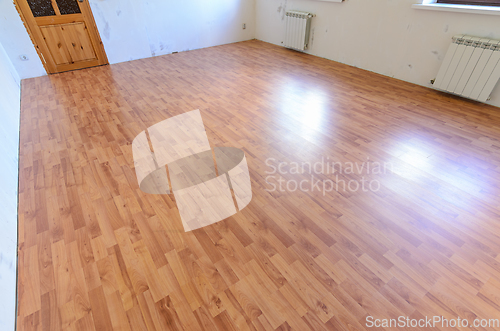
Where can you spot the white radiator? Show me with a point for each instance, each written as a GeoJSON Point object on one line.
{"type": "Point", "coordinates": [298, 26]}
{"type": "Point", "coordinates": [471, 67]}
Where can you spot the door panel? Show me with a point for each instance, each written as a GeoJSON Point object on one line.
{"type": "Point", "coordinates": [63, 32]}
{"type": "Point", "coordinates": [53, 37]}
{"type": "Point", "coordinates": [68, 43]}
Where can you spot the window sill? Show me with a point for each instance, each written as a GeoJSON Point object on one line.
{"type": "Point", "coordinates": [459, 8]}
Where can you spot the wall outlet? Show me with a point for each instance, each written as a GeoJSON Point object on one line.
{"type": "Point", "coordinates": [244, 26]}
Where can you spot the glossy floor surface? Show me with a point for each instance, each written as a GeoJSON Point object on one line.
{"type": "Point", "coordinates": [398, 214]}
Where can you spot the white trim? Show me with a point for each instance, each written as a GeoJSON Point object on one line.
{"type": "Point", "coordinates": [430, 5]}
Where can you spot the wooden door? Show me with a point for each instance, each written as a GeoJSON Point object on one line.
{"type": "Point", "coordinates": [63, 32]}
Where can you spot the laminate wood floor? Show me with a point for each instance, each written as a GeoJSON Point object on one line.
{"type": "Point", "coordinates": [96, 253]}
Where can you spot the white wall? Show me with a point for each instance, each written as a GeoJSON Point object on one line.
{"type": "Point", "coordinates": [16, 41]}
{"type": "Point", "coordinates": [132, 29]}
{"type": "Point", "coordinates": [385, 36]}
{"type": "Point", "coordinates": [9, 145]}
{"type": "Point", "coordinates": [136, 29]}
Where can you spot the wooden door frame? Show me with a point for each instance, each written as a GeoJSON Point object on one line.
{"type": "Point", "coordinates": [31, 25]}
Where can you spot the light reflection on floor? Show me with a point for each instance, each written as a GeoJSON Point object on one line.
{"type": "Point", "coordinates": [309, 106]}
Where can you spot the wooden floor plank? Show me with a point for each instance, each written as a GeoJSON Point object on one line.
{"type": "Point", "coordinates": [97, 253]}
